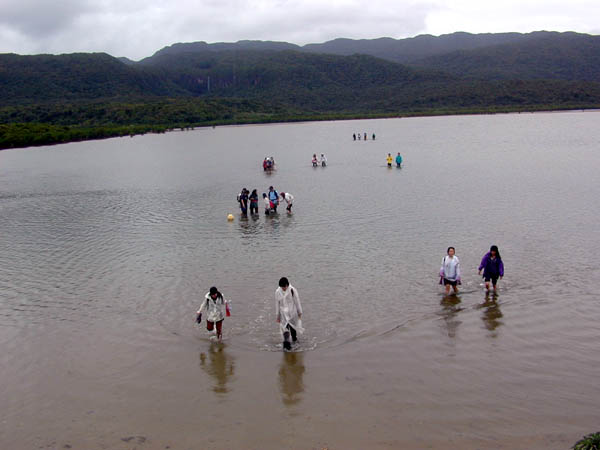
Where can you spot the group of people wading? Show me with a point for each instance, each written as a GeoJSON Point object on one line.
{"type": "Point", "coordinates": [357, 136]}
{"type": "Point", "coordinates": [316, 161]}
{"type": "Point", "coordinates": [288, 309]}
{"type": "Point", "coordinates": [268, 164]}
{"type": "Point", "coordinates": [288, 312]}
{"type": "Point", "coordinates": [248, 199]}
{"type": "Point", "coordinates": [491, 265]}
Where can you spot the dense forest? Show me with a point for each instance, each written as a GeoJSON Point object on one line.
{"type": "Point", "coordinates": [59, 98]}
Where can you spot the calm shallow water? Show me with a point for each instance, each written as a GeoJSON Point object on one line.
{"type": "Point", "coordinates": [108, 248]}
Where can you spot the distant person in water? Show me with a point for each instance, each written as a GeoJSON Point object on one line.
{"type": "Point", "coordinates": [365, 136]}
{"type": "Point", "coordinates": [289, 199]}
{"type": "Point", "coordinates": [492, 266]}
{"type": "Point", "coordinates": [359, 136]}
{"type": "Point", "coordinates": [273, 198]}
{"type": "Point", "coordinates": [450, 271]}
{"type": "Point", "coordinates": [354, 136]}
{"type": "Point", "coordinates": [323, 160]}
{"type": "Point", "coordinates": [389, 160]}
{"type": "Point", "coordinates": [373, 136]}
{"type": "Point", "coordinates": [288, 312]}
{"type": "Point", "coordinates": [265, 164]}
{"type": "Point", "coordinates": [253, 202]}
{"type": "Point", "coordinates": [267, 204]}
{"type": "Point", "coordinates": [398, 160]}
{"type": "Point", "coordinates": [216, 308]}
{"type": "Point", "coordinates": [315, 161]}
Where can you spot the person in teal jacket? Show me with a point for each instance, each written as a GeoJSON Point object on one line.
{"type": "Point", "coordinates": [398, 160]}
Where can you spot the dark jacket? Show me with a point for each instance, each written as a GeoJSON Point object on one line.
{"type": "Point", "coordinates": [491, 267]}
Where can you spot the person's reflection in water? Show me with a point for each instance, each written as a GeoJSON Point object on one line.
{"type": "Point", "coordinates": [450, 308]}
{"type": "Point", "coordinates": [491, 313]}
{"type": "Point", "coordinates": [291, 373]}
{"type": "Point", "coordinates": [219, 365]}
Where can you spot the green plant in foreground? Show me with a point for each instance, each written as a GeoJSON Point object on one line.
{"type": "Point", "coordinates": [589, 442]}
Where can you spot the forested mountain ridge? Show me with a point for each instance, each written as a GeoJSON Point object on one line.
{"type": "Point", "coordinates": [58, 98]}
{"type": "Point", "coordinates": [75, 77]}
{"type": "Point", "coordinates": [540, 54]}
{"type": "Point", "coordinates": [558, 56]}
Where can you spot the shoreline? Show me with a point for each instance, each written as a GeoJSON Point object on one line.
{"type": "Point", "coordinates": [35, 134]}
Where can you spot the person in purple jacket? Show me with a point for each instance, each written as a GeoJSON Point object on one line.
{"type": "Point", "coordinates": [492, 266]}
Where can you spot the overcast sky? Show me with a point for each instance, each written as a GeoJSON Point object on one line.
{"type": "Point", "coordinates": [138, 28]}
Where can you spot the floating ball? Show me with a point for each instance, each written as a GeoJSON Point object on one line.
{"type": "Point", "coordinates": [230, 217]}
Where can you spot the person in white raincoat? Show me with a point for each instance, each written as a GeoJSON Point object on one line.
{"type": "Point", "coordinates": [289, 199]}
{"type": "Point", "coordinates": [288, 312]}
{"type": "Point", "coordinates": [216, 309]}
{"type": "Point", "coordinates": [450, 271]}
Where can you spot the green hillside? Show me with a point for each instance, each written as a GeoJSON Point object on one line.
{"type": "Point", "coordinates": [564, 56]}
{"type": "Point", "coordinates": [58, 98]}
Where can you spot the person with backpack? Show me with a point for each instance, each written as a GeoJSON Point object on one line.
{"type": "Point", "coordinates": [243, 199]}
{"type": "Point", "coordinates": [273, 198]}
{"type": "Point", "coordinates": [450, 271]}
{"type": "Point", "coordinates": [216, 308]}
{"type": "Point", "coordinates": [492, 266]}
{"type": "Point", "coordinates": [288, 312]}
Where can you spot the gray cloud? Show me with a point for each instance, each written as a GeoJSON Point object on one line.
{"type": "Point", "coordinates": [138, 28]}
{"type": "Point", "coordinates": [37, 19]}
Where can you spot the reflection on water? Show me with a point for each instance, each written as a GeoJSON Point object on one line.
{"type": "Point", "coordinates": [291, 373]}
{"type": "Point", "coordinates": [250, 225]}
{"type": "Point", "coordinates": [491, 313]}
{"type": "Point", "coordinates": [450, 308]}
{"type": "Point", "coordinates": [219, 365]}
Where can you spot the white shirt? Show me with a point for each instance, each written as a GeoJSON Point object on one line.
{"type": "Point", "coordinates": [450, 268]}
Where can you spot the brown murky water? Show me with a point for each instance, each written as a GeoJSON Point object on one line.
{"type": "Point", "coordinates": [108, 247]}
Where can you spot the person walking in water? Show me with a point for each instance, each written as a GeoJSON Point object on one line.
{"type": "Point", "coordinates": [450, 271]}
{"type": "Point", "coordinates": [288, 312]}
{"type": "Point", "coordinates": [216, 308]}
{"type": "Point", "coordinates": [243, 199]}
{"type": "Point", "coordinates": [354, 136]}
{"type": "Point", "coordinates": [323, 160]}
{"type": "Point", "coordinates": [289, 199]}
{"type": "Point", "coordinates": [274, 198]}
{"type": "Point", "coordinates": [373, 136]}
{"type": "Point", "coordinates": [267, 204]}
{"type": "Point", "coordinates": [389, 160]}
{"type": "Point", "coordinates": [398, 160]}
{"type": "Point", "coordinates": [253, 202]}
{"type": "Point", "coordinates": [492, 266]}
{"type": "Point", "coordinates": [315, 161]}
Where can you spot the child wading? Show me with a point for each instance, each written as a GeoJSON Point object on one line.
{"type": "Point", "coordinates": [267, 204]}
{"type": "Point", "coordinates": [288, 312]}
{"type": "Point", "coordinates": [216, 308]}
{"type": "Point", "coordinates": [492, 266]}
{"type": "Point", "coordinates": [450, 271]}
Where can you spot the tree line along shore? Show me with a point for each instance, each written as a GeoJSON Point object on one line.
{"type": "Point", "coordinates": [32, 133]}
